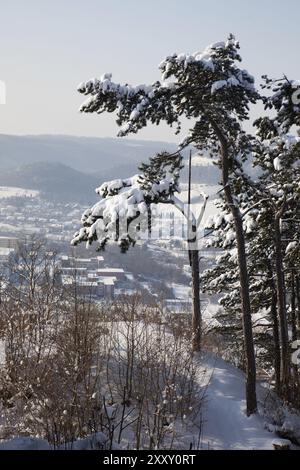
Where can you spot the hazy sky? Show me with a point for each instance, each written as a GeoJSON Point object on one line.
{"type": "Point", "coordinates": [49, 46]}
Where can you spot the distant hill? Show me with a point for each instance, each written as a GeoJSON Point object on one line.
{"type": "Point", "coordinates": [54, 180]}
{"type": "Point", "coordinates": [85, 154]}
{"type": "Point", "coordinates": [70, 168]}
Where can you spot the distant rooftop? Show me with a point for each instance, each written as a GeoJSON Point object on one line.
{"type": "Point", "coordinates": [109, 281]}
{"type": "Point", "coordinates": [2, 237]}
{"type": "Point", "coordinates": [6, 251]}
{"type": "Point", "coordinates": [110, 270]}
{"type": "Point", "coordinates": [82, 260]}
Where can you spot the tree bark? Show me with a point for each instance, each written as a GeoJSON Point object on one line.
{"type": "Point", "coordinates": [277, 358]}
{"type": "Point", "coordinates": [247, 321]}
{"type": "Point", "coordinates": [295, 383]}
{"type": "Point", "coordinates": [194, 262]}
{"type": "Point", "coordinates": [196, 319]}
{"type": "Point", "coordinates": [251, 399]}
{"type": "Point", "coordinates": [281, 301]}
{"type": "Point", "coordinates": [293, 307]}
{"type": "Point", "coordinates": [298, 301]}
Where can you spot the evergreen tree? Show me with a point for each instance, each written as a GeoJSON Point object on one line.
{"type": "Point", "coordinates": [125, 211]}
{"type": "Point", "coordinates": [278, 156]}
{"type": "Point", "coordinates": [210, 88]}
{"type": "Point", "coordinates": [271, 226]}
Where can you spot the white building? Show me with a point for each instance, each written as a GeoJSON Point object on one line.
{"type": "Point", "coordinates": [89, 276]}
{"type": "Point", "coordinates": [9, 242]}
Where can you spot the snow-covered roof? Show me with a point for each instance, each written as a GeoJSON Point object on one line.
{"type": "Point", "coordinates": [109, 281]}
{"type": "Point", "coordinates": [110, 270]}
{"type": "Point", "coordinates": [6, 251]}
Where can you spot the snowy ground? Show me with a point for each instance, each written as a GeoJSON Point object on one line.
{"type": "Point", "coordinates": [10, 191]}
{"type": "Point", "coordinates": [209, 311]}
{"type": "Point", "coordinates": [225, 424]}
{"type": "Point", "coordinates": [181, 291]}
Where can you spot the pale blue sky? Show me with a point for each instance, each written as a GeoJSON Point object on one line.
{"type": "Point", "coordinates": [48, 47]}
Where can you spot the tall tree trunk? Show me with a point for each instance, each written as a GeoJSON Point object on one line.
{"type": "Point", "coordinates": [297, 294]}
{"type": "Point", "coordinates": [276, 340]}
{"type": "Point", "coordinates": [196, 320]}
{"type": "Point", "coordinates": [194, 262]}
{"type": "Point", "coordinates": [293, 307]}
{"type": "Point", "coordinates": [243, 275]}
{"type": "Point", "coordinates": [294, 336]}
{"type": "Point", "coordinates": [298, 301]}
{"type": "Point", "coordinates": [281, 301]}
{"type": "Point", "coordinates": [247, 321]}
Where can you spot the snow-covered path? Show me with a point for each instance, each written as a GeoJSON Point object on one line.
{"type": "Point", "coordinates": [225, 424]}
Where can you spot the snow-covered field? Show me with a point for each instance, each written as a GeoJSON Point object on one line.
{"type": "Point", "coordinates": [10, 191]}
{"type": "Point", "coordinates": [181, 292]}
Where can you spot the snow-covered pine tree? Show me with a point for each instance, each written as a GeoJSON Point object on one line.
{"type": "Point", "coordinates": [210, 88]}
{"type": "Point", "coordinates": [271, 226]}
{"type": "Point", "coordinates": [126, 207]}
{"type": "Point", "coordinates": [279, 158]}
{"type": "Point", "coordinates": [260, 256]}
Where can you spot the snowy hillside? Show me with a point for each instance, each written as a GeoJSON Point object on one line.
{"type": "Point", "coordinates": [11, 191]}
{"type": "Point", "coordinates": [224, 424]}
{"type": "Point", "coordinates": [55, 181]}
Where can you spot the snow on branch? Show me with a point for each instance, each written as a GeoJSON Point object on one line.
{"type": "Point", "coordinates": [125, 205]}
{"type": "Point", "coordinates": [195, 85]}
{"type": "Point", "coordinates": [285, 100]}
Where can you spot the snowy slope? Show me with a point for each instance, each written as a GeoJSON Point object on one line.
{"type": "Point", "coordinates": [226, 425]}
{"type": "Point", "coordinates": [10, 191]}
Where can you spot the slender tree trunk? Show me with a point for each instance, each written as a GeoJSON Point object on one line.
{"type": "Point", "coordinates": [247, 321]}
{"type": "Point", "coordinates": [298, 301]}
{"type": "Point", "coordinates": [293, 307]}
{"type": "Point", "coordinates": [294, 336]}
{"type": "Point", "coordinates": [196, 320]}
{"type": "Point", "coordinates": [277, 358]}
{"type": "Point", "coordinates": [189, 203]}
{"type": "Point", "coordinates": [281, 301]}
{"type": "Point", "coordinates": [243, 274]}
{"type": "Point", "coordinates": [194, 262]}
{"type": "Point", "coordinates": [297, 294]}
